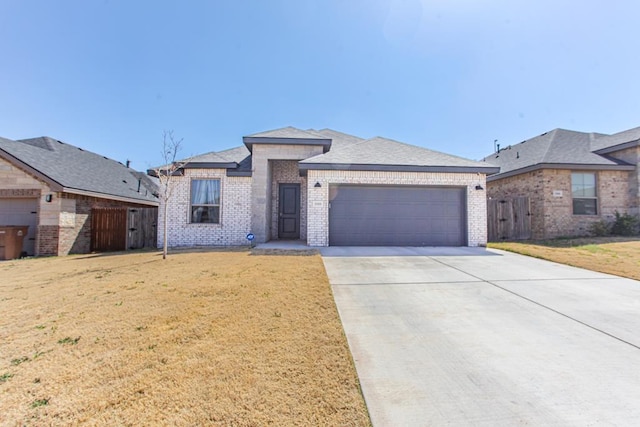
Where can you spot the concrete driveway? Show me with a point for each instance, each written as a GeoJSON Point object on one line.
{"type": "Point", "coordinates": [468, 336]}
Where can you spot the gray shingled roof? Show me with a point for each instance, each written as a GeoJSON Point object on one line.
{"type": "Point", "coordinates": [557, 148]}
{"type": "Point", "coordinates": [237, 154]}
{"type": "Point", "coordinates": [286, 132]}
{"type": "Point", "coordinates": [241, 156]}
{"type": "Point", "coordinates": [338, 139]}
{"type": "Point", "coordinates": [385, 154]}
{"type": "Point", "coordinates": [346, 152]}
{"type": "Point", "coordinates": [211, 157]}
{"type": "Point", "coordinates": [288, 135]}
{"type": "Point", "coordinates": [72, 169]}
{"type": "Point", "coordinates": [617, 141]}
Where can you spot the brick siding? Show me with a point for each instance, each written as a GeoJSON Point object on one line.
{"type": "Point", "coordinates": [235, 212]}
{"type": "Point", "coordinates": [632, 155]}
{"type": "Point", "coordinates": [47, 240]}
{"type": "Point", "coordinates": [549, 192]}
{"type": "Point", "coordinates": [72, 232]}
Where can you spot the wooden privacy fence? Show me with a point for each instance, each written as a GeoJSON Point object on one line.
{"type": "Point", "coordinates": [509, 219]}
{"type": "Point", "coordinates": [118, 229]}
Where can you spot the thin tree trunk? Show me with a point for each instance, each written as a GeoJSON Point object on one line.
{"type": "Point", "coordinates": [170, 148]}
{"type": "Point", "coordinates": [164, 235]}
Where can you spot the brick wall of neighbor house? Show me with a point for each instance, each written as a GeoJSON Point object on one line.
{"type": "Point", "coordinates": [318, 198]}
{"type": "Point", "coordinates": [235, 212]}
{"type": "Point", "coordinates": [13, 178]}
{"type": "Point", "coordinates": [74, 221]}
{"type": "Point", "coordinates": [549, 191]}
{"type": "Point", "coordinates": [530, 184]}
{"type": "Point", "coordinates": [64, 223]}
{"type": "Point", "coordinates": [287, 172]}
{"type": "Point", "coordinates": [632, 155]}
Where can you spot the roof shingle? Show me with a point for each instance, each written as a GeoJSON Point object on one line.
{"type": "Point", "coordinates": [557, 147]}
{"type": "Point", "coordinates": [73, 168]}
{"type": "Point", "coordinates": [387, 152]}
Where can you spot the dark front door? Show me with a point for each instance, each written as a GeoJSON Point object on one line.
{"type": "Point", "coordinates": [289, 212]}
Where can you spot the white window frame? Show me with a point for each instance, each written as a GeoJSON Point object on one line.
{"type": "Point", "coordinates": [207, 205]}
{"type": "Point", "coordinates": [593, 198]}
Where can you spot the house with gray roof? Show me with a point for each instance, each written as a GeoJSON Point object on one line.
{"type": "Point", "coordinates": [53, 187]}
{"type": "Point", "coordinates": [572, 179]}
{"type": "Point", "coordinates": [325, 187]}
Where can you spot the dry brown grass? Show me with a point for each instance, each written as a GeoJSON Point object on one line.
{"type": "Point", "coordinates": [203, 338]}
{"type": "Point", "coordinates": [619, 256]}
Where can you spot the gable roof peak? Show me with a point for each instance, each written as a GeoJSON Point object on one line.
{"type": "Point", "coordinates": [285, 132]}
{"type": "Point", "coordinates": [44, 142]}
{"type": "Point", "coordinates": [288, 136]}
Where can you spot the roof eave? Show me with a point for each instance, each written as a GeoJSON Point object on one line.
{"type": "Point", "coordinates": [572, 166]}
{"type": "Point", "coordinates": [398, 168]}
{"type": "Point", "coordinates": [231, 168]}
{"type": "Point", "coordinates": [249, 141]}
{"type": "Point", "coordinates": [210, 165]}
{"type": "Point", "coordinates": [235, 173]}
{"type": "Point", "coordinates": [614, 148]}
{"type": "Point", "coordinates": [108, 196]}
{"type": "Point", "coordinates": [154, 172]}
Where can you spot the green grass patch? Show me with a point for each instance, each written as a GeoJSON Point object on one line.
{"type": "Point", "coordinates": [69, 341]}
{"type": "Point", "coordinates": [39, 402]}
{"type": "Point", "coordinates": [19, 360]}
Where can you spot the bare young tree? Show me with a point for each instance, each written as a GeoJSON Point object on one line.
{"type": "Point", "coordinates": [165, 173]}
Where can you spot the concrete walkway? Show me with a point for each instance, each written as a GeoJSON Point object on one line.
{"type": "Point", "coordinates": [466, 336]}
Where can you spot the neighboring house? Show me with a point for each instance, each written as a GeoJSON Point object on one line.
{"type": "Point", "coordinates": [572, 179]}
{"type": "Point", "coordinates": [52, 187]}
{"type": "Point", "coordinates": [328, 188]}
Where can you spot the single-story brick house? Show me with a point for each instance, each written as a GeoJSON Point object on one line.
{"type": "Point", "coordinates": [52, 187]}
{"type": "Point", "coordinates": [572, 179]}
{"type": "Point", "coordinates": [328, 188]}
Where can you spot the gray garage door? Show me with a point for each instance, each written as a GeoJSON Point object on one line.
{"type": "Point", "coordinates": [362, 215]}
{"type": "Point", "coordinates": [21, 212]}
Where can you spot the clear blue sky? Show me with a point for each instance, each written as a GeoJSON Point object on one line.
{"type": "Point", "coordinates": [450, 75]}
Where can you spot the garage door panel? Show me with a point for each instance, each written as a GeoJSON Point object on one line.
{"type": "Point", "coordinates": [362, 215]}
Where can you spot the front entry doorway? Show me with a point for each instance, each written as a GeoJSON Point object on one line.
{"type": "Point", "coordinates": [289, 211]}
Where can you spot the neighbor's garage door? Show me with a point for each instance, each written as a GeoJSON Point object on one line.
{"type": "Point", "coordinates": [21, 212]}
{"type": "Point", "coordinates": [362, 215]}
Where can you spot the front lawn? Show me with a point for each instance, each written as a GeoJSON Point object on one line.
{"type": "Point", "coordinates": [203, 338]}
{"type": "Point", "coordinates": [613, 255]}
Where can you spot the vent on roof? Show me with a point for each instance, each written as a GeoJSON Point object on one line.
{"type": "Point", "coordinates": [80, 149]}
{"type": "Point", "coordinates": [543, 134]}
{"type": "Point", "coordinates": [124, 180]}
